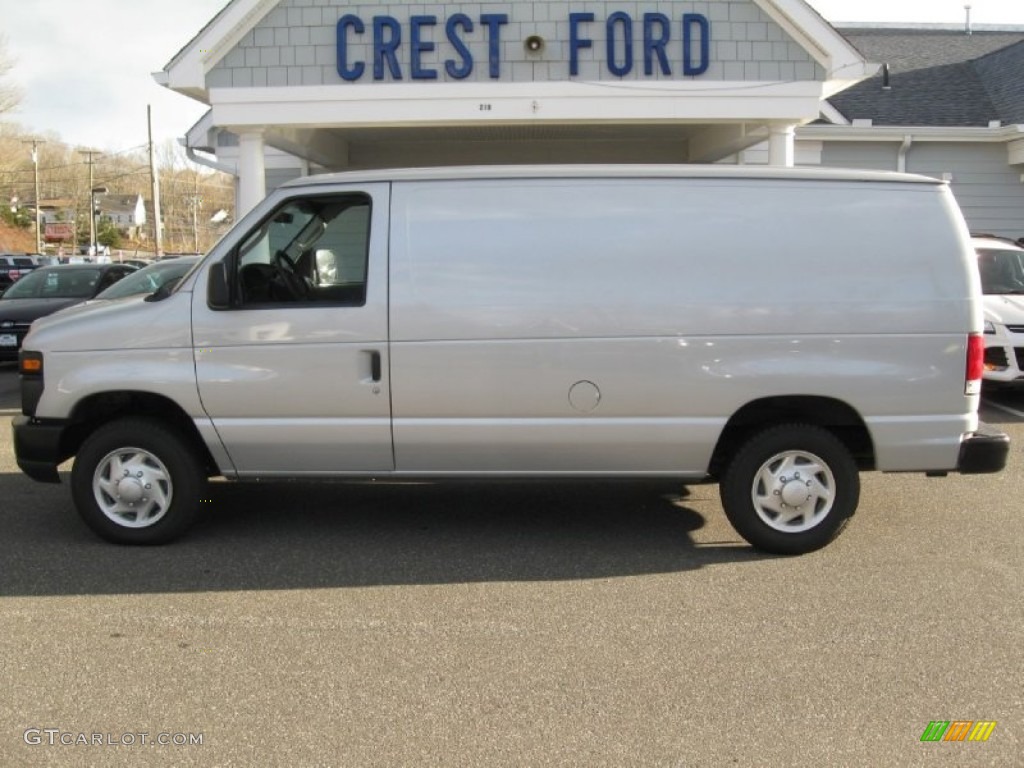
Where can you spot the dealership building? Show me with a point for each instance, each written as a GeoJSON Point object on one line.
{"type": "Point", "coordinates": [296, 87]}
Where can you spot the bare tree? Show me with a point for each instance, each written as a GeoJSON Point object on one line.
{"type": "Point", "coordinates": [10, 95]}
{"type": "Point", "coordinates": [196, 202]}
{"type": "Point", "coordinates": [190, 196]}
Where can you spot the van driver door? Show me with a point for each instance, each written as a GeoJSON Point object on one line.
{"type": "Point", "coordinates": [292, 368]}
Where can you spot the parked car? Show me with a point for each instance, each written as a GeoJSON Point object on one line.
{"type": "Point", "coordinates": [46, 290]}
{"type": "Point", "coordinates": [1001, 265]}
{"type": "Point", "coordinates": [149, 279]}
{"type": "Point", "coordinates": [13, 266]}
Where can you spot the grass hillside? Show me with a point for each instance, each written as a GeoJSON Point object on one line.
{"type": "Point", "coordinates": [15, 240]}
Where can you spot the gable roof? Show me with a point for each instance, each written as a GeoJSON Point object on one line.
{"type": "Point", "coordinates": [120, 203]}
{"type": "Point", "coordinates": [1002, 73]}
{"type": "Point", "coordinates": [187, 69]}
{"type": "Point", "coordinates": [937, 77]}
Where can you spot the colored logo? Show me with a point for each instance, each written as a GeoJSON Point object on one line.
{"type": "Point", "coordinates": [958, 730]}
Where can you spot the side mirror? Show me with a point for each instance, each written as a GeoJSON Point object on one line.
{"type": "Point", "coordinates": [218, 295]}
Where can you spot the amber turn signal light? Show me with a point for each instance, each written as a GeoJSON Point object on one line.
{"type": "Point", "coordinates": [30, 363]}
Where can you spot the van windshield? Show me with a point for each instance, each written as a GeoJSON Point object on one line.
{"type": "Point", "coordinates": [1002, 271]}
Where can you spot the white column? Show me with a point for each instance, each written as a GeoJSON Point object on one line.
{"type": "Point", "coordinates": [252, 172]}
{"type": "Point", "coordinates": [782, 146]}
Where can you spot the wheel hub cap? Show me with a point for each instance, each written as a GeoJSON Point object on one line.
{"type": "Point", "coordinates": [793, 491]}
{"type": "Point", "coordinates": [132, 487]}
{"type": "Point", "coordinates": [129, 490]}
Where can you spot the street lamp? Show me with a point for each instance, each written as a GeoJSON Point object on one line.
{"type": "Point", "coordinates": [93, 216]}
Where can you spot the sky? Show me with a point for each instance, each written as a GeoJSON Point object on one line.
{"type": "Point", "coordinates": [85, 66]}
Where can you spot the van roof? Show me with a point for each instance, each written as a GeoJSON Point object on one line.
{"type": "Point", "coordinates": [609, 171]}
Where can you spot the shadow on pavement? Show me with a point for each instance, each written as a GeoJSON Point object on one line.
{"type": "Point", "coordinates": [1002, 405]}
{"type": "Point", "coordinates": [306, 535]}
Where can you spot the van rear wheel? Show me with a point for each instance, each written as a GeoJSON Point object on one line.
{"type": "Point", "coordinates": [790, 489]}
{"type": "Point", "coordinates": [136, 481]}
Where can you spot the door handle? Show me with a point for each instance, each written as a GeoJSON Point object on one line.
{"type": "Point", "coordinates": [373, 357]}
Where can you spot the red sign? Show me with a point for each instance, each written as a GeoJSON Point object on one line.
{"type": "Point", "coordinates": [59, 232]}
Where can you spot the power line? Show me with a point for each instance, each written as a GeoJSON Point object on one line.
{"type": "Point", "coordinates": [133, 172]}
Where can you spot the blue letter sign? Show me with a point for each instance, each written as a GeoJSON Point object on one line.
{"type": "Point", "coordinates": [622, 20]}
{"type": "Point", "coordinates": [356, 25]}
{"type": "Point", "coordinates": [389, 48]}
{"type": "Point", "coordinates": [691, 20]}
{"type": "Point", "coordinates": [493, 22]}
{"type": "Point", "coordinates": [420, 46]}
{"type": "Point", "coordinates": [654, 46]}
{"type": "Point", "coordinates": [453, 69]}
{"type": "Point", "coordinates": [575, 41]}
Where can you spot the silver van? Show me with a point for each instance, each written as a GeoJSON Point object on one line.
{"type": "Point", "coordinates": [776, 331]}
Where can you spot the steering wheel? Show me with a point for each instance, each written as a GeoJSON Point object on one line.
{"type": "Point", "coordinates": [290, 283]}
{"type": "Point", "coordinates": [282, 257]}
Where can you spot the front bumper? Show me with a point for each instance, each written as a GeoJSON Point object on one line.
{"type": "Point", "coordinates": [1004, 356]}
{"type": "Point", "coordinates": [38, 447]}
{"type": "Point", "coordinates": [983, 451]}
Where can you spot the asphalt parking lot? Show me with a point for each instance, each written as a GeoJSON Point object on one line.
{"type": "Point", "coordinates": [528, 625]}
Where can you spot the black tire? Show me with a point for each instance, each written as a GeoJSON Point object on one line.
{"type": "Point", "coordinates": [790, 489]}
{"type": "Point", "coordinates": [137, 481]}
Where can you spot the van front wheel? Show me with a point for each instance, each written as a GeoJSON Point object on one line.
{"type": "Point", "coordinates": [790, 489]}
{"type": "Point", "coordinates": [135, 481]}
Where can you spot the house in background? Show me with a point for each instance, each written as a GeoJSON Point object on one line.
{"type": "Point", "coordinates": [57, 210]}
{"type": "Point", "coordinates": [126, 212]}
{"type": "Point", "coordinates": [59, 217]}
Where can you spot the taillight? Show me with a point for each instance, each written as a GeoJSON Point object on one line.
{"type": "Point", "coordinates": [975, 364]}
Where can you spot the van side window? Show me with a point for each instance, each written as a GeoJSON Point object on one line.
{"type": "Point", "coordinates": [309, 251]}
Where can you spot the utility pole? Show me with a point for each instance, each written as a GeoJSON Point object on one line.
{"type": "Point", "coordinates": [92, 197]}
{"type": "Point", "coordinates": [158, 235]}
{"type": "Point", "coordinates": [35, 169]}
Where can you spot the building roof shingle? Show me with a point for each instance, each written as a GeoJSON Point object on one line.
{"type": "Point", "coordinates": [937, 77]}
{"type": "Point", "coordinates": [1002, 72]}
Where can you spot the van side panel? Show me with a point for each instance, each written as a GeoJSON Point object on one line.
{"type": "Point", "coordinates": [614, 325]}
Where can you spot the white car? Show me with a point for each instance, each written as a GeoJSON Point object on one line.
{"type": "Point", "coordinates": [1001, 265]}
